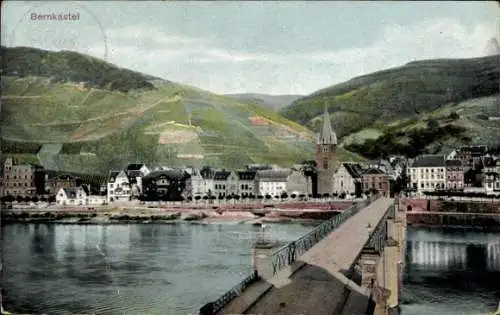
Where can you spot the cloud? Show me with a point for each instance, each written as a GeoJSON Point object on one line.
{"type": "Point", "coordinates": [205, 63]}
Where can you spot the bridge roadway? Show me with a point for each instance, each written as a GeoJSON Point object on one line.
{"type": "Point", "coordinates": [317, 283]}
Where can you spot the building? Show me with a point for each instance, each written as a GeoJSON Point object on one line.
{"type": "Point", "coordinates": [195, 185]}
{"type": "Point", "coordinates": [326, 163]}
{"type": "Point", "coordinates": [208, 174]}
{"type": "Point", "coordinates": [135, 173]}
{"type": "Point", "coordinates": [428, 173]}
{"type": "Point", "coordinates": [119, 188]}
{"type": "Point", "coordinates": [272, 182]}
{"type": "Point", "coordinates": [471, 156]}
{"type": "Point", "coordinates": [73, 196]}
{"type": "Point", "coordinates": [225, 183]}
{"type": "Point", "coordinates": [298, 183]}
{"type": "Point", "coordinates": [376, 179]}
{"type": "Point", "coordinates": [454, 174]}
{"type": "Point", "coordinates": [247, 184]}
{"type": "Point", "coordinates": [491, 177]}
{"type": "Point", "coordinates": [23, 179]}
{"type": "Point", "coordinates": [165, 185]}
{"type": "Point", "coordinates": [348, 179]}
{"type": "Point", "coordinates": [53, 185]}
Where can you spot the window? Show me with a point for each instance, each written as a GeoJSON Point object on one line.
{"type": "Point", "coordinates": [325, 149]}
{"type": "Point", "coordinates": [325, 164]}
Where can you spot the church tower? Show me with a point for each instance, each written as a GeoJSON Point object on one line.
{"type": "Point", "coordinates": [326, 162]}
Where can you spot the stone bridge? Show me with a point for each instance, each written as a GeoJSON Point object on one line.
{"type": "Point", "coordinates": [351, 264]}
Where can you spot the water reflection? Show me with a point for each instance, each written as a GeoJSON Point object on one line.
{"type": "Point", "coordinates": [167, 269]}
{"type": "Point", "coordinates": [451, 272]}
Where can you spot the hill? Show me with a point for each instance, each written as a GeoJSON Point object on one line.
{"type": "Point", "coordinates": [397, 105]}
{"type": "Point", "coordinates": [274, 102]}
{"type": "Point", "coordinates": [69, 118]}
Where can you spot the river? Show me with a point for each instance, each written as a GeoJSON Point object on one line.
{"type": "Point", "coordinates": [176, 268]}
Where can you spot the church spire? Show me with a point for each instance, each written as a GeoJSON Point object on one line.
{"type": "Point", "coordinates": [327, 135]}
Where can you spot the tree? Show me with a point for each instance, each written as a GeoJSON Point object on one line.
{"type": "Point", "coordinates": [197, 198]}
{"type": "Point", "coordinates": [268, 197]}
{"type": "Point", "coordinates": [284, 195]}
{"type": "Point", "coordinates": [302, 196]}
{"type": "Point", "coordinates": [326, 195]}
{"type": "Point", "coordinates": [236, 197]}
{"type": "Point", "coordinates": [190, 198]}
{"type": "Point", "coordinates": [52, 198]}
{"type": "Point", "coordinates": [221, 197]}
{"type": "Point", "coordinates": [229, 197]}
{"type": "Point", "coordinates": [293, 196]}
{"type": "Point", "coordinates": [19, 199]}
{"type": "Point", "coordinates": [34, 199]}
{"type": "Point", "coordinates": [9, 198]}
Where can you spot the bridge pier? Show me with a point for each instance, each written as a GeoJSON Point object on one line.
{"type": "Point", "coordinates": [382, 262]}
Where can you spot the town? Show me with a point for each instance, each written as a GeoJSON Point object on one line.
{"type": "Point", "coordinates": [467, 171]}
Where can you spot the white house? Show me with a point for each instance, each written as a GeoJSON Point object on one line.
{"type": "Point", "coordinates": [196, 184]}
{"type": "Point", "coordinates": [348, 179]}
{"type": "Point", "coordinates": [75, 196]}
{"type": "Point", "coordinates": [428, 173]}
{"type": "Point", "coordinates": [119, 188]}
{"type": "Point", "coordinates": [247, 184]}
{"type": "Point", "coordinates": [225, 183]}
{"type": "Point", "coordinates": [272, 182]}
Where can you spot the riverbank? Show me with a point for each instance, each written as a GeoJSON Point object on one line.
{"type": "Point", "coordinates": [165, 216]}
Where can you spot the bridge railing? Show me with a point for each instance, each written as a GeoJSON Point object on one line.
{"type": "Point", "coordinates": [378, 236]}
{"type": "Point", "coordinates": [288, 254]}
{"type": "Point", "coordinates": [217, 305]}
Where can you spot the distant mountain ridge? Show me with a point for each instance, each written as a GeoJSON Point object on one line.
{"type": "Point", "coordinates": [274, 102]}
{"type": "Point", "coordinates": [392, 101]}
{"type": "Point", "coordinates": [72, 112]}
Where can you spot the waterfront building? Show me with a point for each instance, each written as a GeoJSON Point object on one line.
{"type": "Point", "coordinates": [428, 173]}
{"type": "Point", "coordinates": [454, 174]}
{"type": "Point", "coordinates": [376, 179]}
{"type": "Point", "coordinates": [23, 179]}
{"type": "Point", "coordinates": [272, 182]}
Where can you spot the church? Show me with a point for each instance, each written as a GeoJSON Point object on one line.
{"type": "Point", "coordinates": [326, 156]}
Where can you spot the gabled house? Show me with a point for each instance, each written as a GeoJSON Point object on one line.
{"type": "Point", "coordinates": [74, 196]}
{"type": "Point", "coordinates": [272, 182]}
{"type": "Point", "coordinates": [195, 185]}
{"type": "Point", "coordinates": [247, 184]}
{"type": "Point", "coordinates": [119, 188]}
{"type": "Point", "coordinates": [225, 183]}
{"type": "Point", "coordinates": [348, 179]}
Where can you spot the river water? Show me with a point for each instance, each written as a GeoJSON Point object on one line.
{"type": "Point", "coordinates": [176, 268]}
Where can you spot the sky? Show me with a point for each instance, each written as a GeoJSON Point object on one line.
{"type": "Point", "coordinates": [272, 47]}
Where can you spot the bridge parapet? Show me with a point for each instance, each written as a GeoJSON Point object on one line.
{"type": "Point", "coordinates": [380, 263]}
{"type": "Point", "coordinates": [285, 256]}
{"type": "Point", "coordinates": [289, 253]}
